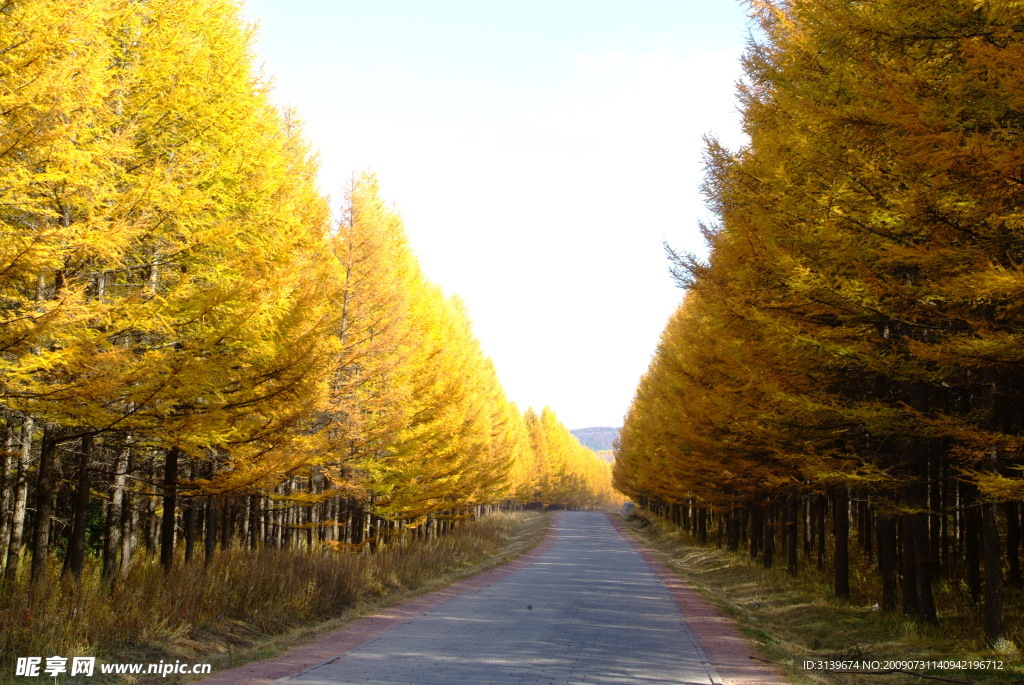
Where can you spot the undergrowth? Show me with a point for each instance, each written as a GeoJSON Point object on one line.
{"type": "Point", "coordinates": [793, 619]}
{"type": "Point", "coordinates": [225, 612]}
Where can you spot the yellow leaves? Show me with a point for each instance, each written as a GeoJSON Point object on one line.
{"type": "Point", "coordinates": [168, 291]}
{"type": "Point", "coordinates": [999, 488]}
{"type": "Point", "coordinates": [166, 269]}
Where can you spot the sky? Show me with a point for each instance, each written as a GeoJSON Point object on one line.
{"type": "Point", "coordinates": [539, 153]}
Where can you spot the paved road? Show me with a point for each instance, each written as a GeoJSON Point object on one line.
{"type": "Point", "coordinates": [589, 610]}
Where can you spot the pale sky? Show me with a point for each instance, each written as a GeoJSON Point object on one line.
{"type": "Point", "coordinates": [539, 152]}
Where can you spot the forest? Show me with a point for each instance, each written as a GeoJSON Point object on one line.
{"type": "Point", "coordinates": [195, 356]}
{"type": "Point", "coordinates": [842, 385]}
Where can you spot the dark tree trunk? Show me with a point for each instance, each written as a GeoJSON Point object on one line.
{"type": "Point", "coordinates": [189, 517]}
{"type": "Point", "coordinates": [130, 518]}
{"type": "Point", "coordinates": [167, 523]}
{"type": "Point", "coordinates": [887, 561]}
{"type": "Point", "coordinates": [805, 507]}
{"type": "Point", "coordinates": [820, 509]}
{"type": "Point", "coordinates": [768, 531]}
{"type": "Point", "coordinates": [908, 566]}
{"type": "Point", "coordinates": [152, 523]}
{"type": "Point", "coordinates": [357, 525]}
{"type": "Point", "coordinates": [112, 540]}
{"type": "Point", "coordinates": [934, 519]}
{"type": "Point", "coordinates": [44, 503]}
{"type": "Point", "coordinates": [791, 534]}
{"type": "Point", "coordinates": [972, 546]}
{"type": "Point", "coordinates": [923, 568]}
{"type": "Point", "coordinates": [742, 520]}
{"type": "Point", "coordinates": [227, 524]}
{"type": "Point", "coordinates": [210, 531]}
{"type": "Point", "coordinates": [994, 614]}
{"type": "Point", "coordinates": [254, 521]}
{"type": "Point", "coordinates": [943, 566]}
{"type": "Point", "coordinates": [1013, 543]}
{"type": "Point", "coordinates": [841, 514]}
{"type": "Point", "coordinates": [733, 530]}
{"type": "Point", "coordinates": [756, 534]}
{"type": "Point", "coordinates": [866, 530]}
{"type": "Point", "coordinates": [75, 556]}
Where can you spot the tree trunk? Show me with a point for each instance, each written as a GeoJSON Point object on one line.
{"type": "Point", "coordinates": [20, 500]}
{"type": "Point", "coordinates": [269, 530]}
{"type": "Point", "coordinates": [1013, 543]}
{"type": "Point", "coordinates": [357, 524]}
{"type": "Point", "coordinates": [309, 516]}
{"type": "Point", "coordinates": [820, 509]}
{"type": "Point", "coordinates": [841, 515]}
{"type": "Point", "coordinates": [733, 530]}
{"type": "Point", "coordinates": [151, 521]}
{"type": "Point", "coordinates": [908, 564]}
{"type": "Point", "coordinates": [130, 518]}
{"type": "Point", "coordinates": [114, 514]}
{"type": "Point", "coordinates": [210, 533]}
{"type": "Point", "coordinates": [791, 534]}
{"type": "Point", "coordinates": [756, 534]}
{"type": "Point", "coordinates": [167, 523]}
{"type": "Point", "coordinates": [75, 556]}
{"type": "Point", "coordinates": [808, 525]}
{"type": "Point", "coordinates": [189, 516]}
{"type": "Point", "coordinates": [7, 475]}
{"type": "Point", "coordinates": [944, 564]}
{"type": "Point", "coordinates": [923, 567]}
{"type": "Point", "coordinates": [254, 522]}
{"type": "Point", "coordinates": [934, 509]}
{"type": "Point", "coordinates": [994, 614]}
{"type": "Point", "coordinates": [227, 523]}
{"type": "Point", "coordinates": [44, 503]}
{"type": "Point", "coordinates": [866, 530]}
{"type": "Point", "coordinates": [887, 561]}
{"type": "Point", "coordinates": [972, 552]}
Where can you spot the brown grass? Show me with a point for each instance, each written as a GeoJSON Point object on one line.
{"type": "Point", "coordinates": [791, 619]}
{"type": "Point", "coordinates": [245, 604]}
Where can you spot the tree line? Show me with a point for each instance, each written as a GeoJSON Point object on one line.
{"type": "Point", "coordinates": [846, 368]}
{"type": "Point", "coordinates": [193, 354]}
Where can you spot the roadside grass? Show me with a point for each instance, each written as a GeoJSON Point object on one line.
{"type": "Point", "coordinates": [245, 605]}
{"type": "Point", "coordinates": [793, 619]}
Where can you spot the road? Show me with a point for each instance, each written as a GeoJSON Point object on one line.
{"type": "Point", "coordinates": [589, 610]}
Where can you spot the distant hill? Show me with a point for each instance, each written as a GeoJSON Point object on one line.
{"type": "Point", "coordinates": [599, 439]}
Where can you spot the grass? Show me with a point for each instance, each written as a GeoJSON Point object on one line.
{"type": "Point", "coordinates": [245, 605]}
{"type": "Point", "coordinates": [791, 619]}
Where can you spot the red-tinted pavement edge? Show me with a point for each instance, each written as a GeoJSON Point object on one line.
{"type": "Point", "coordinates": [727, 650]}
{"type": "Point", "coordinates": [337, 643]}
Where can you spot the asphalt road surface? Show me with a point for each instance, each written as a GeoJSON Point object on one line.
{"type": "Point", "coordinates": [588, 610]}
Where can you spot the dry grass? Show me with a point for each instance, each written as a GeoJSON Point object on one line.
{"type": "Point", "coordinates": [793, 619]}
{"type": "Point", "coordinates": [245, 604]}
